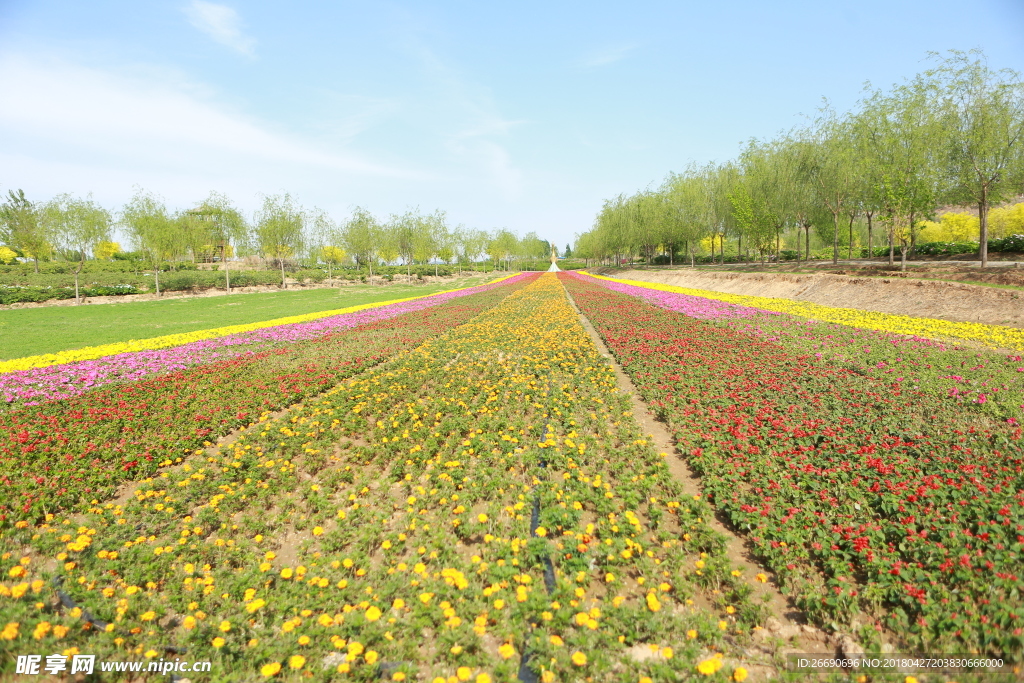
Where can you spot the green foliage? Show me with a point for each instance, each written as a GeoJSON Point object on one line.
{"type": "Point", "coordinates": [952, 135]}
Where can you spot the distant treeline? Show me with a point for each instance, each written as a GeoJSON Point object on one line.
{"type": "Point", "coordinates": [283, 234]}
{"type": "Point", "coordinates": [877, 175]}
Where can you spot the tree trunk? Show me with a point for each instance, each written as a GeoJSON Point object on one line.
{"type": "Point", "coordinates": [77, 271]}
{"type": "Point", "coordinates": [835, 238]}
{"type": "Point", "coordinates": [870, 253]}
{"type": "Point", "coordinates": [983, 220]}
{"type": "Point", "coordinates": [36, 260]}
{"type": "Point", "coordinates": [156, 278]}
{"type": "Point", "coordinates": [227, 275]}
{"type": "Point", "coordinates": [903, 256]}
{"type": "Point", "coordinates": [807, 236]}
{"type": "Point", "coordinates": [849, 249]}
{"type": "Point", "coordinates": [891, 247]}
{"type": "Point", "coordinates": [284, 285]}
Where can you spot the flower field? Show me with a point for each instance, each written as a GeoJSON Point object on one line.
{"type": "Point", "coordinates": [69, 373]}
{"type": "Point", "coordinates": [481, 505]}
{"type": "Point", "coordinates": [455, 489]}
{"type": "Point", "coordinates": [54, 453]}
{"type": "Point", "coordinates": [880, 500]}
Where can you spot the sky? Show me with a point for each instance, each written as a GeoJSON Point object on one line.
{"type": "Point", "coordinates": [521, 115]}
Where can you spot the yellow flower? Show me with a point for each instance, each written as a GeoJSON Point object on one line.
{"type": "Point", "coordinates": [691, 634]}
{"type": "Point", "coordinates": [225, 626]}
{"type": "Point", "coordinates": [287, 573]}
{"type": "Point", "coordinates": [296, 661]}
{"type": "Point", "coordinates": [541, 531]}
{"type": "Point", "coordinates": [371, 657]}
{"type": "Point", "coordinates": [724, 625]}
{"type": "Point", "coordinates": [761, 578]}
{"type": "Point", "coordinates": [667, 653]}
{"type": "Point", "coordinates": [303, 640]}
{"type": "Point", "coordinates": [507, 651]}
{"type": "Point", "coordinates": [482, 518]}
{"type": "Point", "coordinates": [270, 670]}
{"type": "Point", "coordinates": [653, 603]}
{"type": "Point", "coordinates": [579, 659]}
{"type": "Point", "coordinates": [399, 603]}
{"type": "Point", "coordinates": [148, 616]}
{"type": "Point", "coordinates": [148, 653]}
{"type": "Point", "coordinates": [255, 605]}
{"type": "Point", "coordinates": [557, 641]}
{"type": "Point", "coordinates": [740, 674]}
{"type": "Point", "coordinates": [218, 642]}
{"type": "Point", "coordinates": [483, 678]}
{"type": "Point", "coordinates": [318, 530]}
{"type": "Point", "coordinates": [373, 614]}
{"type": "Point", "coordinates": [41, 630]}
{"type": "Point", "coordinates": [709, 666]}
{"type": "Point", "coordinates": [463, 673]}
{"type": "Point", "coordinates": [910, 679]}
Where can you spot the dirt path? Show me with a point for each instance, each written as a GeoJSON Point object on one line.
{"type": "Point", "coordinates": [955, 301]}
{"type": "Point", "coordinates": [787, 630]}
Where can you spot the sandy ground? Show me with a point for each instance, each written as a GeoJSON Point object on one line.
{"type": "Point", "coordinates": [956, 301]}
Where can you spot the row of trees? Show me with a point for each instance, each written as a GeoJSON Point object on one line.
{"type": "Point", "coordinates": [281, 232]}
{"type": "Point", "coordinates": [953, 135]}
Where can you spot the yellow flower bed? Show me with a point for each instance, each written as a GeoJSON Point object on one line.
{"type": "Point", "coordinates": [169, 340]}
{"type": "Point", "coordinates": [994, 336]}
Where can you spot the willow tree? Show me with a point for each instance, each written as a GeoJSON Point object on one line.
{"type": "Point", "coordinates": [903, 133]}
{"type": "Point", "coordinates": [152, 229]}
{"type": "Point", "coordinates": [217, 227]}
{"type": "Point", "coordinates": [21, 228]}
{"type": "Point", "coordinates": [280, 230]}
{"type": "Point", "coordinates": [828, 165]}
{"type": "Point", "coordinates": [361, 235]}
{"type": "Point", "coordinates": [983, 116]}
{"type": "Point", "coordinates": [78, 225]}
{"type": "Point", "coordinates": [327, 240]}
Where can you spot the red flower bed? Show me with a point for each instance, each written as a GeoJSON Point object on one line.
{"type": "Point", "coordinates": [866, 496]}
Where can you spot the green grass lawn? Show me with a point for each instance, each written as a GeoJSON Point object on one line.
{"type": "Point", "coordinates": [33, 331]}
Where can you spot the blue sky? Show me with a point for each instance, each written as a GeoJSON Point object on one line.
{"type": "Point", "coordinates": [522, 115]}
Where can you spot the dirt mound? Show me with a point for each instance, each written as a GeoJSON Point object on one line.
{"type": "Point", "coordinates": [920, 298]}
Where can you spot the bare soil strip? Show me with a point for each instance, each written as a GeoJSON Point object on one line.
{"type": "Point", "coordinates": [955, 301]}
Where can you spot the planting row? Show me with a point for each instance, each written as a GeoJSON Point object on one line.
{"type": "Point", "coordinates": [879, 501]}
{"type": "Point", "coordinates": [56, 454]}
{"type": "Point", "coordinates": [992, 336]}
{"type": "Point", "coordinates": [483, 506]}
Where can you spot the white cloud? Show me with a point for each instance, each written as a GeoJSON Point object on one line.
{"type": "Point", "coordinates": [75, 128]}
{"type": "Point", "coordinates": [221, 23]}
{"type": "Point", "coordinates": [605, 56]}
{"type": "Point", "coordinates": [474, 123]}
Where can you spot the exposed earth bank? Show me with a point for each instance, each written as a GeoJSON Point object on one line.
{"type": "Point", "coordinates": [955, 301]}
